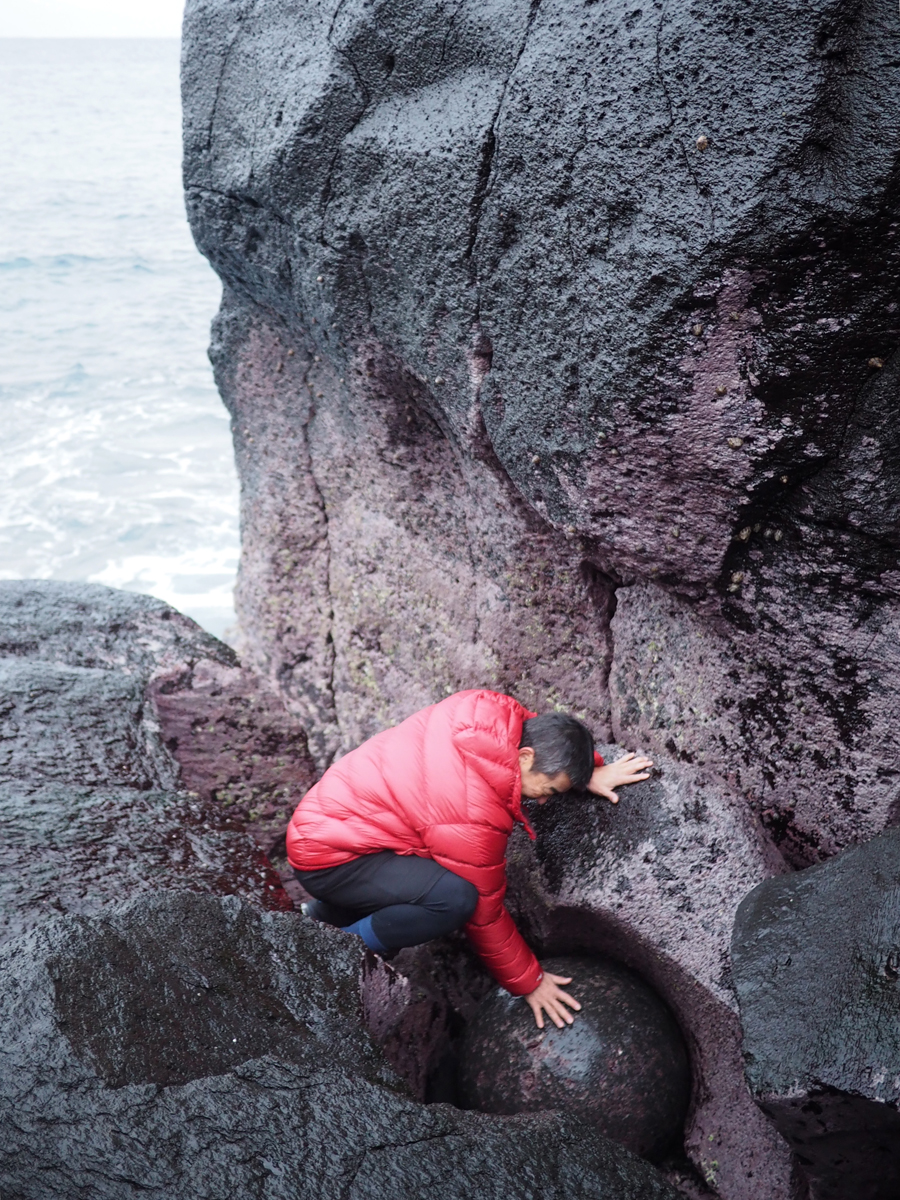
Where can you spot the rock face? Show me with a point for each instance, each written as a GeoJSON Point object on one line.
{"type": "Point", "coordinates": [655, 882]}
{"type": "Point", "coordinates": [559, 343]}
{"type": "Point", "coordinates": [816, 965]}
{"type": "Point", "coordinates": [622, 1066]}
{"type": "Point", "coordinates": [75, 850]}
{"type": "Point", "coordinates": [191, 1046]}
{"type": "Point", "coordinates": [235, 744]}
{"type": "Point", "coordinates": [95, 805]}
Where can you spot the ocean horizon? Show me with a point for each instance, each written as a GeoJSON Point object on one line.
{"type": "Point", "coordinates": [118, 465]}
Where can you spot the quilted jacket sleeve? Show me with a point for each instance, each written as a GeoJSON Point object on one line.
{"type": "Point", "coordinates": [475, 848]}
{"type": "Point", "coordinates": [478, 853]}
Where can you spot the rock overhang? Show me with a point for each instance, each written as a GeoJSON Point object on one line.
{"type": "Point", "coordinates": [487, 175]}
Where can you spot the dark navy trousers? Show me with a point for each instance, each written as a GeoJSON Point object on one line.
{"type": "Point", "coordinates": [410, 899]}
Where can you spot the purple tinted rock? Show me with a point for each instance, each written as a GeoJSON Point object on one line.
{"type": "Point", "coordinates": [381, 570]}
{"type": "Point", "coordinates": [235, 744]}
{"type": "Point", "coordinates": [788, 699]}
{"type": "Point", "coordinates": [93, 806]}
{"type": "Point", "coordinates": [622, 1066]}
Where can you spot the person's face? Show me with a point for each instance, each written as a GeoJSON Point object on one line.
{"type": "Point", "coordinates": [535, 784]}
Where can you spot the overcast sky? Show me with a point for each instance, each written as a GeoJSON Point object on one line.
{"type": "Point", "coordinates": [90, 18]}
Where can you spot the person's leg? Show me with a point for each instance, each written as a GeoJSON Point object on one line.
{"type": "Point", "coordinates": [446, 905]}
{"type": "Point", "coordinates": [403, 900]}
{"type": "Point", "coordinates": [335, 891]}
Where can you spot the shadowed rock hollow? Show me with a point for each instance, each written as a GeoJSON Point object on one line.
{"type": "Point", "coordinates": [559, 343]}
{"type": "Point", "coordinates": [622, 1065]}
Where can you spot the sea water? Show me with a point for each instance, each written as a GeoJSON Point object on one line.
{"type": "Point", "coordinates": [115, 453]}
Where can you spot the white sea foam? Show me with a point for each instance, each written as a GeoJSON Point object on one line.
{"type": "Point", "coordinates": [116, 462]}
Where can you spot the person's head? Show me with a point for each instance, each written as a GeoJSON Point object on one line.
{"type": "Point", "coordinates": [556, 752]}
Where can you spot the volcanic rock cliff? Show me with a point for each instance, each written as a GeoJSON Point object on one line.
{"type": "Point", "coordinates": [559, 343]}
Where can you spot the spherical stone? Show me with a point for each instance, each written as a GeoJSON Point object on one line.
{"type": "Point", "coordinates": [622, 1065]}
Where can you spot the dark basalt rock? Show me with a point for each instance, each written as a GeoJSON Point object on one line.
{"type": "Point", "coordinates": [533, 387]}
{"type": "Point", "coordinates": [654, 882]}
{"type": "Point", "coordinates": [101, 686]}
{"type": "Point", "coordinates": [622, 1066]}
{"type": "Point", "coordinates": [76, 849]}
{"type": "Point", "coordinates": [135, 754]}
{"type": "Point", "coordinates": [816, 964]}
{"type": "Point", "coordinates": [190, 1048]}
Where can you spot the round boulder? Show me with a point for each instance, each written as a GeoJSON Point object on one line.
{"type": "Point", "coordinates": [622, 1066]}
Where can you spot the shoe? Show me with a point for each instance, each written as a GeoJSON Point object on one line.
{"type": "Point", "coordinates": [318, 910]}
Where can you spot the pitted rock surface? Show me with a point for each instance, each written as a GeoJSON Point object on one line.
{"type": "Point", "coordinates": [559, 342]}
{"type": "Point", "coordinates": [816, 965]}
{"type": "Point", "coordinates": [95, 805]}
{"type": "Point", "coordinates": [655, 882]}
{"type": "Point", "coordinates": [91, 626]}
{"type": "Point", "coordinates": [235, 744]}
{"type": "Point", "coordinates": [88, 724]}
{"type": "Point", "coordinates": [622, 1065]}
{"type": "Point", "coordinates": [526, 184]}
{"type": "Point", "coordinates": [526, 306]}
{"type": "Point", "coordinates": [76, 850]}
{"type": "Point", "coordinates": [188, 1048]}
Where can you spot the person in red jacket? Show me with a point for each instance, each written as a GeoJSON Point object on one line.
{"type": "Point", "coordinates": [404, 839]}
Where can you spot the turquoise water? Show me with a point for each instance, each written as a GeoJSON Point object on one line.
{"type": "Point", "coordinates": [116, 462]}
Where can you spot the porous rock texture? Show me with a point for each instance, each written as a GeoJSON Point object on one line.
{"type": "Point", "coordinates": [193, 1047]}
{"type": "Point", "coordinates": [559, 343]}
{"type": "Point", "coordinates": [95, 806]}
{"type": "Point", "coordinates": [655, 882]}
{"type": "Point", "coordinates": [816, 966]}
{"type": "Point", "coordinates": [621, 1065]}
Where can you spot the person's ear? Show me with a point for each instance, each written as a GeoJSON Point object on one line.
{"type": "Point", "coordinates": [526, 759]}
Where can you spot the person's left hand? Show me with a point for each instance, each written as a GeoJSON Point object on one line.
{"type": "Point", "coordinates": [549, 997]}
{"type": "Point", "coordinates": [630, 768]}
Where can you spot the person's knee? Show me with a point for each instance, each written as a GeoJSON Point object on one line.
{"type": "Point", "coordinates": [456, 897]}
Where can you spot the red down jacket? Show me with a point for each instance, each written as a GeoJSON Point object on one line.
{"type": "Point", "coordinates": [444, 784]}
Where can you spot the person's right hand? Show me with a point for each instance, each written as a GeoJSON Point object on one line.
{"type": "Point", "coordinates": [548, 997]}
